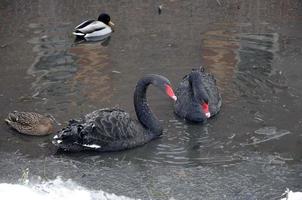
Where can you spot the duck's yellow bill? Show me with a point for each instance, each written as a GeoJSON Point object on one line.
{"type": "Point", "coordinates": [111, 23]}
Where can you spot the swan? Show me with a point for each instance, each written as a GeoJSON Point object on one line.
{"type": "Point", "coordinates": [198, 97]}
{"type": "Point", "coordinates": [90, 29]}
{"type": "Point", "coordinates": [30, 123]}
{"type": "Point", "coordinates": [112, 129]}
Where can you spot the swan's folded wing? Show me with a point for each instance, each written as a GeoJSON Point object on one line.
{"type": "Point", "coordinates": [112, 129]}
{"type": "Point", "coordinates": [213, 93]}
{"type": "Point", "coordinates": [103, 112]}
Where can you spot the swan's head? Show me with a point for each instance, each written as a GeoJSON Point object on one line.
{"type": "Point", "coordinates": [105, 18]}
{"type": "Point", "coordinates": [200, 94]}
{"type": "Point", "coordinates": [164, 84]}
{"type": "Point", "coordinates": [169, 91]}
{"type": "Point", "coordinates": [69, 138]}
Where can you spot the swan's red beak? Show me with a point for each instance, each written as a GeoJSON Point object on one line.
{"type": "Point", "coordinates": [170, 92]}
{"type": "Point", "coordinates": [205, 108]}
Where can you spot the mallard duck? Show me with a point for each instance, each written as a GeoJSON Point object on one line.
{"type": "Point", "coordinates": [30, 123]}
{"type": "Point", "coordinates": [198, 97]}
{"type": "Point", "coordinates": [94, 28]}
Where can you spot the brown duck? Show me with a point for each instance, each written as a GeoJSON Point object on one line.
{"type": "Point", "coordinates": [30, 123]}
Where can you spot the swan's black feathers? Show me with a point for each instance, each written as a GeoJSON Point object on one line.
{"type": "Point", "coordinates": [209, 83]}
{"type": "Point", "coordinates": [182, 106]}
{"type": "Point", "coordinates": [110, 130]}
{"type": "Point", "coordinates": [186, 105]}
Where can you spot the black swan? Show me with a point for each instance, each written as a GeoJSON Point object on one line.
{"type": "Point", "coordinates": [198, 97]}
{"type": "Point", "coordinates": [30, 123]}
{"type": "Point", "coordinates": [112, 129]}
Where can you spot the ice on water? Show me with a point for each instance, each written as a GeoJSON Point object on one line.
{"type": "Point", "coordinates": [290, 195]}
{"type": "Point", "coordinates": [54, 190]}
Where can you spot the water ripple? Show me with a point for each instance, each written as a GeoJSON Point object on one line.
{"type": "Point", "coordinates": [243, 63]}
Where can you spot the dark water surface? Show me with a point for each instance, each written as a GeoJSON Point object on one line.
{"type": "Point", "coordinates": [251, 150]}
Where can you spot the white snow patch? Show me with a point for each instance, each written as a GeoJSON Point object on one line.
{"type": "Point", "coordinates": [54, 190]}
{"type": "Point", "coordinates": [290, 195]}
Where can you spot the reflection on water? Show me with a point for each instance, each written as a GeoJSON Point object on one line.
{"type": "Point", "coordinates": [219, 52]}
{"type": "Point", "coordinates": [256, 75]}
{"type": "Point", "coordinates": [67, 76]}
{"type": "Point", "coordinates": [93, 76]}
{"type": "Point", "coordinates": [52, 68]}
{"type": "Point", "coordinates": [187, 145]}
{"type": "Point", "coordinates": [243, 59]}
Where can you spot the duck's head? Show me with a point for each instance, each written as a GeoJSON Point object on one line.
{"type": "Point", "coordinates": [105, 18]}
{"type": "Point", "coordinates": [200, 94]}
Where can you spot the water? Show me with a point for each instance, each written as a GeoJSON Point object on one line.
{"type": "Point", "coordinates": [251, 150]}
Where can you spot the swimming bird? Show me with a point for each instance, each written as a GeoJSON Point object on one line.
{"type": "Point", "coordinates": [198, 97]}
{"type": "Point", "coordinates": [30, 123]}
{"type": "Point", "coordinates": [112, 129]}
{"type": "Point", "coordinates": [91, 29]}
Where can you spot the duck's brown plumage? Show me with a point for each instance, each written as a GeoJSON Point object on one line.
{"type": "Point", "coordinates": [30, 123]}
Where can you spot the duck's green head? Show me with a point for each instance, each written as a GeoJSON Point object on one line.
{"type": "Point", "coordinates": [105, 18]}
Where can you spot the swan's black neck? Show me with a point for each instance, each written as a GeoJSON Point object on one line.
{"type": "Point", "coordinates": [199, 92]}
{"type": "Point", "coordinates": [142, 109]}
